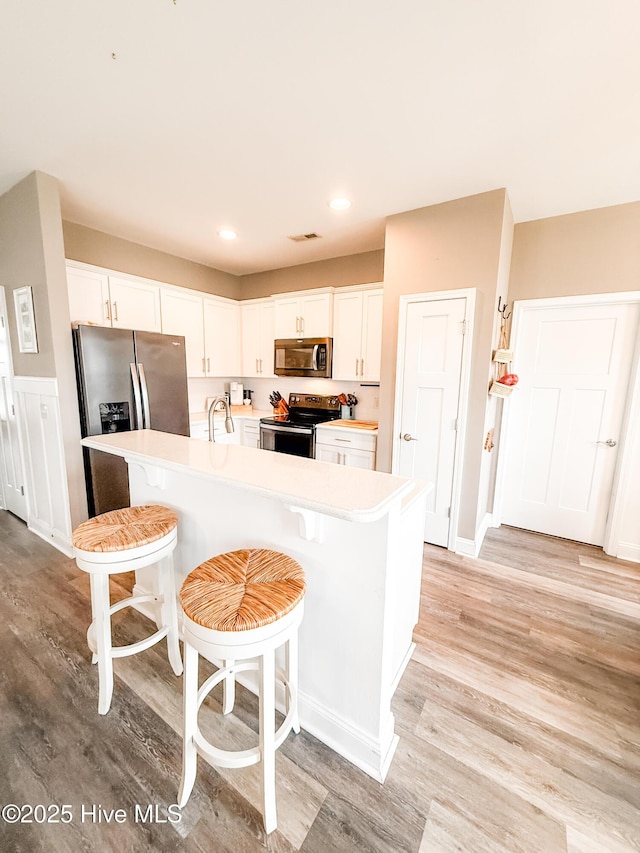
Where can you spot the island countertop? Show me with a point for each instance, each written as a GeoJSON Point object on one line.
{"type": "Point", "coordinates": [351, 494]}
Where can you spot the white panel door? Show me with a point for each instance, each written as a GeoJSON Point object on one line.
{"type": "Point", "coordinates": [11, 467]}
{"type": "Point", "coordinates": [429, 412]}
{"type": "Point", "coordinates": [573, 364]}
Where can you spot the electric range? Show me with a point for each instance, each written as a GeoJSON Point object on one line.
{"type": "Point", "coordinates": [295, 433]}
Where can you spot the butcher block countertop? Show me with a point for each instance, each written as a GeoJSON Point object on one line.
{"type": "Point", "coordinates": [369, 426]}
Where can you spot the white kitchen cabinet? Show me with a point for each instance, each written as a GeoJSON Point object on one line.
{"type": "Point", "coordinates": [88, 296]}
{"type": "Point", "coordinates": [307, 314]}
{"type": "Point", "coordinates": [135, 304]}
{"type": "Point", "coordinates": [200, 429]}
{"type": "Point", "coordinates": [357, 334]}
{"type": "Point", "coordinates": [182, 314]}
{"type": "Point", "coordinates": [343, 446]}
{"type": "Point", "coordinates": [251, 433]}
{"type": "Point", "coordinates": [96, 296]}
{"type": "Point", "coordinates": [221, 337]}
{"type": "Point", "coordinates": [257, 322]}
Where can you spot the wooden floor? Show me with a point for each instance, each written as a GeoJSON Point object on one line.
{"type": "Point", "coordinates": [519, 720]}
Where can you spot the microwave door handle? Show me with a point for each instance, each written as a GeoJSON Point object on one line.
{"type": "Point", "coordinates": [145, 397]}
{"type": "Point", "coordinates": [137, 399]}
{"type": "Point", "coordinates": [316, 352]}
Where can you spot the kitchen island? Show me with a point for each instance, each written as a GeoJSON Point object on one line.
{"type": "Point", "coordinates": [356, 533]}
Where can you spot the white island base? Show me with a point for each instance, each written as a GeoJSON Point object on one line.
{"type": "Point", "coordinates": [358, 536]}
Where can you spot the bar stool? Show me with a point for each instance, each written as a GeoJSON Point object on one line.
{"type": "Point", "coordinates": [121, 541]}
{"type": "Point", "coordinates": [239, 607]}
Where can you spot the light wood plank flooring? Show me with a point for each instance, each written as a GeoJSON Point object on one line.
{"type": "Point", "coordinates": [519, 719]}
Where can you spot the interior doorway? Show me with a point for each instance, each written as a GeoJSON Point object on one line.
{"type": "Point", "coordinates": [434, 358]}
{"type": "Point", "coordinates": [11, 468]}
{"type": "Point", "coordinates": [566, 418]}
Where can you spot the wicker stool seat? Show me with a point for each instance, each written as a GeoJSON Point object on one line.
{"type": "Point", "coordinates": [238, 609]}
{"type": "Point", "coordinates": [121, 541]}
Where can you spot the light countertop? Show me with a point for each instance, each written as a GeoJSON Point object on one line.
{"type": "Point", "coordinates": [247, 412]}
{"type": "Point", "coordinates": [351, 494]}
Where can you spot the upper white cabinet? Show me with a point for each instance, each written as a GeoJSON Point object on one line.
{"type": "Point", "coordinates": [257, 323]}
{"type": "Point", "coordinates": [110, 300]}
{"type": "Point", "coordinates": [221, 337]}
{"type": "Point", "coordinates": [307, 314]}
{"type": "Point", "coordinates": [182, 315]}
{"type": "Point", "coordinates": [134, 304]}
{"type": "Point", "coordinates": [88, 296]}
{"type": "Point", "coordinates": [357, 334]}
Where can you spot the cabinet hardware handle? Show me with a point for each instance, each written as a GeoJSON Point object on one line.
{"type": "Point", "coordinates": [107, 309]}
{"type": "Point", "coordinates": [260, 365]}
{"type": "Point", "coordinates": [257, 367]}
{"type": "Point", "coordinates": [204, 368]}
{"type": "Point", "coordinates": [347, 440]}
{"type": "Point", "coordinates": [115, 311]}
{"type": "Point", "coordinates": [357, 363]}
{"type": "Point", "coordinates": [302, 325]}
{"type": "Point", "coordinates": [362, 367]}
{"type": "Point", "coordinates": [208, 365]}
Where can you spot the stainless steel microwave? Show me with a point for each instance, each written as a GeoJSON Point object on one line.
{"type": "Point", "coordinates": [303, 357]}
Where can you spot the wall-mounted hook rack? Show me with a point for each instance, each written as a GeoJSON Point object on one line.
{"type": "Point", "coordinates": [503, 309]}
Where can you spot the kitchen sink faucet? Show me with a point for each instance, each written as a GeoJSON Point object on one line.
{"type": "Point", "coordinates": [228, 421]}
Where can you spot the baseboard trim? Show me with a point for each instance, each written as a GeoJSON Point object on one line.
{"type": "Point", "coordinates": [471, 547]}
{"type": "Point", "coordinates": [628, 551]}
{"type": "Point", "coordinates": [53, 537]}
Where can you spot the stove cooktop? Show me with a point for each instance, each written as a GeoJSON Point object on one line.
{"type": "Point", "coordinates": [308, 410]}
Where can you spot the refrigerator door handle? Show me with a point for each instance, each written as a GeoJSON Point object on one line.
{"type": "Point", "coordinates": [136, 395]}
{"type": "Point", "coordinates": [145, 397]}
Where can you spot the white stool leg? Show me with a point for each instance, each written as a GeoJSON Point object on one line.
{"type": "Point", "coordinates": [100, 603]}
{"type": "Point", "coordinates": [267, 739]}
{"type": "Point", "coordinates": [228, 690]}
{"type": "Point", "coordinates": [190, 724]}
{"type": "Point", "coordinates": [291, 667]}
{"type": "Point", "coordinates": [169, 612]}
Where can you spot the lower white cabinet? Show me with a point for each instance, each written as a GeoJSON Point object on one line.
{"type": "Point", "coordinates": [251, 433]}
{"type": "Point", "coordinates": [343, 446]}
{"type": "Point", "coordinates": [200, 429]}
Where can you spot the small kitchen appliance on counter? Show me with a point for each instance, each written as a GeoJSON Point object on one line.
{"type": "Point", "coordinates": [295, 433]}
{"type": "Point", "coordinates": [236, 393]}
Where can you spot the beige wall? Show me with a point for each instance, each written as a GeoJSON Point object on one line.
{"type": "Point", "coordinates": [444, 247]}
{"type": "Point", "coordinates": [594, 251]}
{"type": "Point", "coordinates": [364, 268]}
{"type": "Point", "coordinates": [32, 253]}
{"type": "Point", "coordinates": [114, 253]}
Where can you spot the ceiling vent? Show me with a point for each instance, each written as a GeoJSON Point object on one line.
{"type": "Point", "coordinates": [302, 238]}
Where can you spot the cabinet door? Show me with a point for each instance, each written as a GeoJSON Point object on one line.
{"type": "Point", "coordinates": [347, 327]}
{"type": "Point", "coordinates": [88, 297]}
{"type": "Point", "coordinates": [182, 315]}
{"type": "Point", "coordinates": [134, 305]}
{"type": "Point", "coordinates": [267, 336]}
{"type": "Point", "coordinates": [222, 338]}
{"type": "Point", "coordinates": [326, 453]}
{"type": "Point", "coordinates": [372, 301]}
{"type": "Point", "coordinates": [287, 322]}
{"type": "Point", "coordinates": [250, 316]}
{"type": "Point", "coordinates": [316, 313]}
{"type": "Point", "coordinates": [354, 458]}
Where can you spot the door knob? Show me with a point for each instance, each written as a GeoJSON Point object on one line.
{"type": "Point", "coordinates": [610, 442]}
{"type": "Point", "coordinates": [408, 437]}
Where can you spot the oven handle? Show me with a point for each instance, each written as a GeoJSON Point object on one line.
{"type": "Point", "coordinates": [303, 430]}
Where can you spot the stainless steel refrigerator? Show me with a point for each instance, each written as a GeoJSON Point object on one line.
{"type": "Point", "coordinates": [126, 380]}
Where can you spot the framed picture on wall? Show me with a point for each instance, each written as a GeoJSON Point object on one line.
{"type": "Point", "coordinates": [25, 319]}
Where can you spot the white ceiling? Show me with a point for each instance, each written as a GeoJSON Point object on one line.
{"type": "Point", "coordinates": [253, 114]}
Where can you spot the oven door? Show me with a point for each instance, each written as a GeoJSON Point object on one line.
{"type": "Point", "coordinates": [285, 438]}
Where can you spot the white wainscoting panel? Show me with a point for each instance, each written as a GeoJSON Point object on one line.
{"type": "Point", "coordinates": [38, 412]}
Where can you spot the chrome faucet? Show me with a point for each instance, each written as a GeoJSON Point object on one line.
{"type": "Point", "coordinates": [228, 421]}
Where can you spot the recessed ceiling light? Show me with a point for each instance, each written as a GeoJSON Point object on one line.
{"type": "Point", "coordinates": [227, 234]}
{"type": "Point", "coordinates": [339, 204]}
